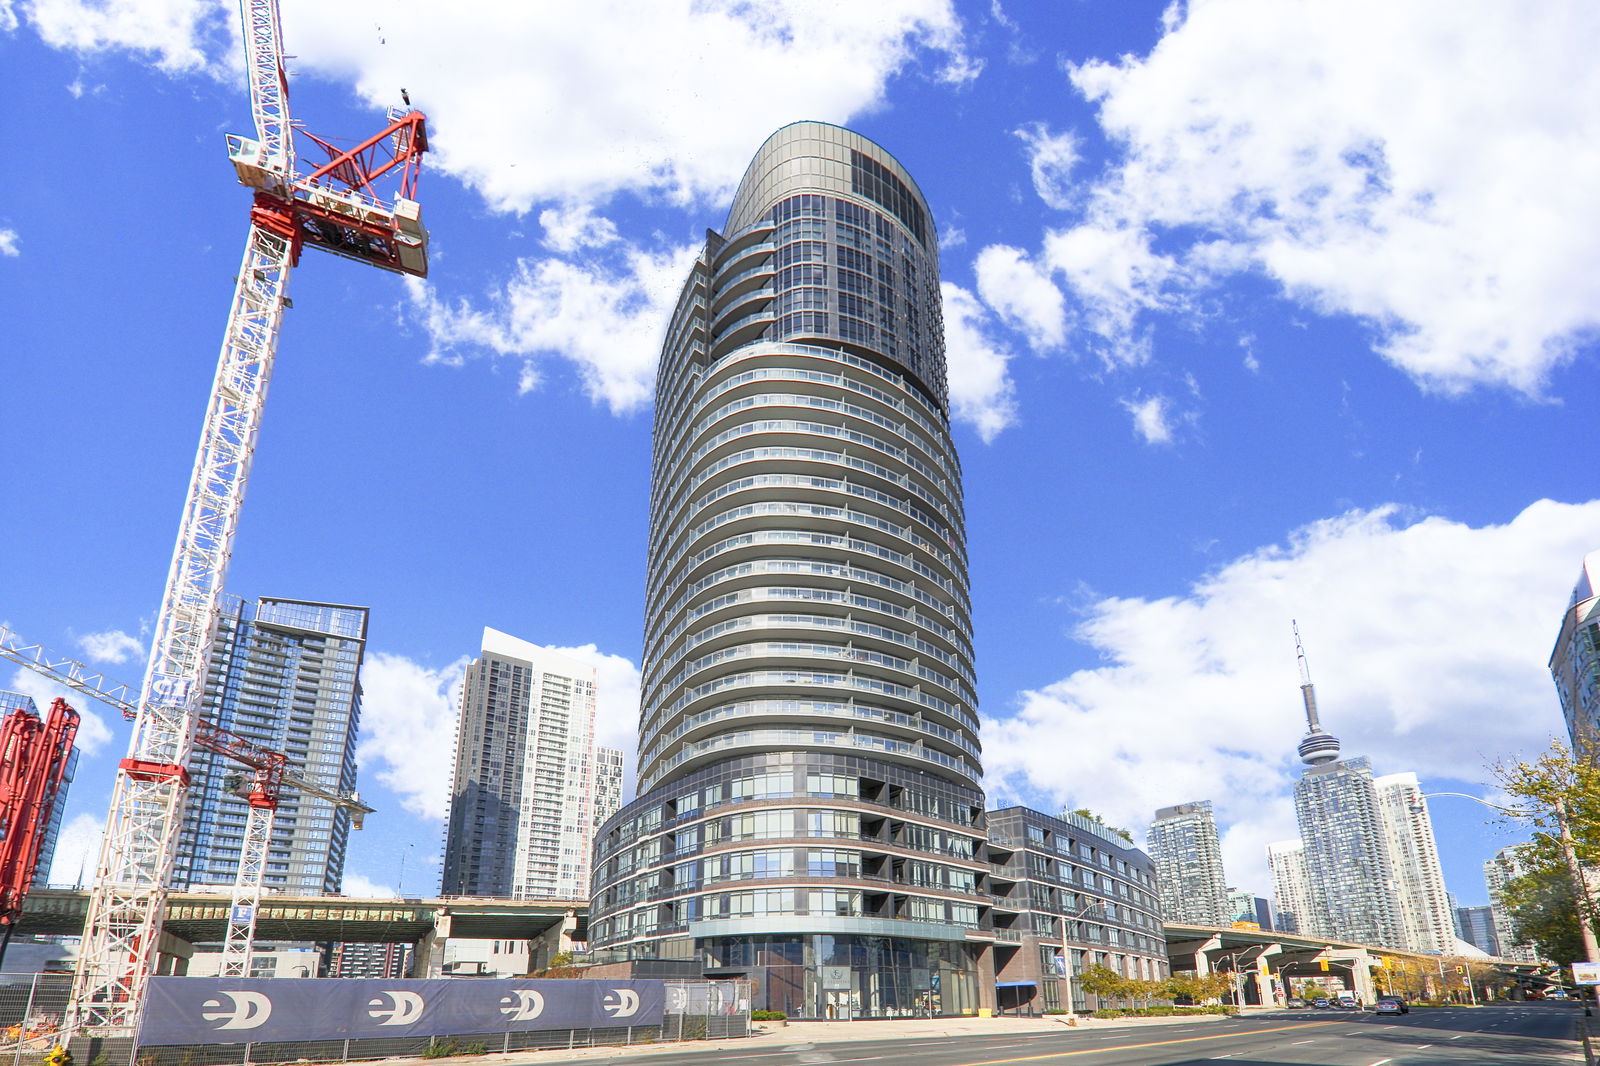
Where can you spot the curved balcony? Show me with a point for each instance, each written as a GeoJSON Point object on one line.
{"type": "Point", "coordinates": [755, 740]}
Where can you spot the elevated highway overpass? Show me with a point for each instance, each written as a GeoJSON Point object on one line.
{"type": "Point", "coordinates": [202, 918]}
{"type": "Point", "coordinates": [1260, 955]}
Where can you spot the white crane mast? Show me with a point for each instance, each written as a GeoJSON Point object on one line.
{"type": "Point", "coordinates": [335, 207]}
{"type": "Point", "coordinates": [121, 934]}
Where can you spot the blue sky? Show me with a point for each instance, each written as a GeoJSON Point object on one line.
{"type": "Point", "coordinates": [1256, 312]}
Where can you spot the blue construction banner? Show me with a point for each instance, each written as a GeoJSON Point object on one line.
{"type": "Point", "coordinates": [217, 1010]}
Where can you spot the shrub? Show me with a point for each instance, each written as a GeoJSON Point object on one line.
{"type": "Point", "coordinates": [1161, 1012]}
{"type": "Point", "coordinates": [442, 1051]}
{"type": "Point", "coordinates": [476, 1048]}
{"type": "Point", "coordinates": [768, 1016]}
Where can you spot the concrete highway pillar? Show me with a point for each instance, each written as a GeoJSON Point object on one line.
{"type": "Point", "coordinates": [428, 959]}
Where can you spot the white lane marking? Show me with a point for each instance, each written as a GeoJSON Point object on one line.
{"type": "Point", "coordinates": [1574, 896]}
{"type": "Point", "coordinates": [1380, 1062]}
{"type": "Point", "coordinates": [1421, 1046]}
{"type": "Point", "coordinates": [1458, 1036]}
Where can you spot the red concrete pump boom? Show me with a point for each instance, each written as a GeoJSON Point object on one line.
{"type": "Point", "coordinates": [33, 762]}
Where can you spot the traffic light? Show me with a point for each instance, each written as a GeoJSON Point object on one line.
{"type": "Point", "coordinates": [1324, 964]}
{"type": "Point", "coordinates": [1461, 969]}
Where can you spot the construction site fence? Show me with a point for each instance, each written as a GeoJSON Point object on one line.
{"type": "Point", "coordinates": [32, 1007]}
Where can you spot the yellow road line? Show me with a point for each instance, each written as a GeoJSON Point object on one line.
{"type": "Point", "coordinates": [1152, 1043]}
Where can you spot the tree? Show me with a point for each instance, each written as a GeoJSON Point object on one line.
{"type": "Point", "coordinates": [1194, 988]}
{"type": "Point", "coordinates": [1543, 909]}
{"type": "Point", "coordinates": [1103, 981]}
{"type": "Point", "coordinates": [1558, 794]}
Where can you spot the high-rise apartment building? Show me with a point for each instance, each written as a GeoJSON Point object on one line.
{"type": "Point", "coordinates": [284, 674]}
{"type": "Point", "coordinates": [1291, 890]}
{"type": "Point", "coordinates": [1353, 893]}
{"type": "Point", "coordinates": [809, 766]}
{"type": "Point", "coordinates": [13, 701]}
{"type": "Point", "coordinates": [530, 787]}
{"type": "Point", "coordinates": [1347, 854]}
{"type": "Point", "coordinates": [1426, 915]}
{"type": "Point", "coordinates": [1188, 856]}
{"type": "Point", "coordinates": [1477, 928]}
{"type": "Point", "coordinates": [1246, 906]}
{"type": "Point", "coordinates": [1575, 661]}
{"type": "Point", "coordinates": [1506, 865]}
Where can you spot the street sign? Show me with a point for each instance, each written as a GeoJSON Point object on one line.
{"type": "Point", "coordinates": [836, 978]}
{"type": "Point", "coordinates": [1586, 973]}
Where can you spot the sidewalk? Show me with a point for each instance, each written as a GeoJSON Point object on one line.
{"type": "Point", "coordinates": [825, 1032]}
{"type": "Point", "coordinates": [769, 1036]}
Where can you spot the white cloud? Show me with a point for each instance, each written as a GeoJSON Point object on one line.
{"type": "Point", "coordinates": [567, 103]}
{"type": "Point", "coordinates": [1427, 639]}
{"type": "Point", "coordinates": [408, 718]}
{"type": "Point", "coordinates": [1051, 159]}
{"type": "Point", "coordinates": [1150, 419]}
{"type": "Point", "coordinates": [982, 393]}
{"type": "Point", "coordinates": [10, 242]}
{"type": "Point", "coordinates": [1022, 295]}
{"type": "Point", "coordinates": [93, 733]}
{"type": "Point", "coordinates": [112, 646]}
{"type": "Point", "coordinates": [604, 316]}
{"type": "Point", "coordinates": [573, 227]}
{"type": "Point", "coordinates": [181, 36]}
{"type": "Point", "coordinates": [1115, 276]}
{"type": "Point", "coordinates": [8, 17]}
{"type": "Point", "coordinates": [77, 854]}
{"type": "Point", "coordinates": [573, 103]}
{"type": "Point", "coordinates": [1425, 167]}
{"type": "Point", "coordinates": [359, 886]}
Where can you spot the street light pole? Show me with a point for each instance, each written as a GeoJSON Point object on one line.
{"type": "Point", "coordinates": [1569, 855]}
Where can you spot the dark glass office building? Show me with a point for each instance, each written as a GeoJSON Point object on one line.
{"type": "Point", "coordinates": [809, 808]}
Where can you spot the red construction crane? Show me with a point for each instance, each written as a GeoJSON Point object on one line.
{"type": "Point", "coordinates": [337, 207]}
{"type": "Point", "coordinates": [33, 762]}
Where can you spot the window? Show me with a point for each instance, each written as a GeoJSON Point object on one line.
{"type": "Point", "coordinates": [832, 785]}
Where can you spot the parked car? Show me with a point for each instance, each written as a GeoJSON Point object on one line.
{"type": "Point", "coordinates": [1391, 1005]}
{"type": "Point", "coordinates": [1321, 1003]}
{"type": "Point", "coordinates": [1295, 1001]}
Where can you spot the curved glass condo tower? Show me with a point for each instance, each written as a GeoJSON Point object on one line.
{"type": "Point", "coordinates": [808, 739]}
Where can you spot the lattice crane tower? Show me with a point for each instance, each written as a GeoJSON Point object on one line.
{"type": "Point", "coordinates": [336, 207]}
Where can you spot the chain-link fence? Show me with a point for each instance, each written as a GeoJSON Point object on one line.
{"type": "Point", "coordinates": [706, 1010]}
{"type": "Point", "coordinates": [32, 1007]}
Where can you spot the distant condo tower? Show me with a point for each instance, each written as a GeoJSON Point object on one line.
{"type": "Point", "coordinates": [1188, 855]}
{"type": "Point", "coordinates": [809, 803]}
{"type": "Point", "coordinates": [530, 786]}
{"type": "Point", "coordinates": [1352, 892]}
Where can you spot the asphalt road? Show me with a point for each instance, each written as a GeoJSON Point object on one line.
{"type": "Point", "coordinates": [1515, 1035]}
